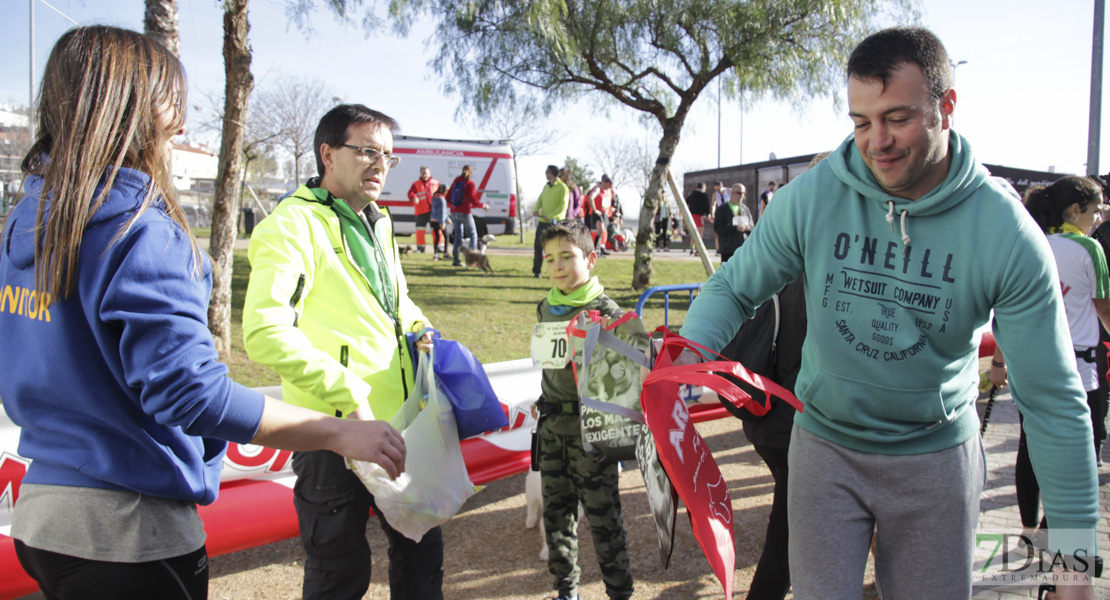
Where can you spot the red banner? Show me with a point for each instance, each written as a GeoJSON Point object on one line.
{"type": "Point", "coordinates": [683, 452]}
{"type": "Point", "coordinates": [692, 470]}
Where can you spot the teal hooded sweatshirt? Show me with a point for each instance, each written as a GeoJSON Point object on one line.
{"type": "Point", "coordinates": [896, 290]}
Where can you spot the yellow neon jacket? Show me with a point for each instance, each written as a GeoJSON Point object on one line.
{"type": "Point", "coordinates": [310, 314]}
{"type": "Point", "coordinates": [551, 206]}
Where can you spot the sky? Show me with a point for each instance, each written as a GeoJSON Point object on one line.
{"type": "Point", "coordinates": [1023, 95]}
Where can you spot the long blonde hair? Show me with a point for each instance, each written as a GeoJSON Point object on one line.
{"type": "Point", "coordinates": [103, 103]}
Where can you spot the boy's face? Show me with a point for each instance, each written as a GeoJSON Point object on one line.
{"type": "Point", "coordinates": [567, 268]}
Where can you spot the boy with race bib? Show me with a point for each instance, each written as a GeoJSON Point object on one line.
{"type": "Point", "coordinates": [568, 473]}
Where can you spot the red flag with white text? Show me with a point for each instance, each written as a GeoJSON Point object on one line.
{"type": "Point", "coordinates": [683, 452]}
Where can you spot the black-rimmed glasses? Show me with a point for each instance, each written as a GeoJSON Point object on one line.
{"type": "Point", "coordinates": [372, 154]}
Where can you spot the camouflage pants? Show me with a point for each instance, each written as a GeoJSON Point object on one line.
{"type": "Point", "coordinates": [569, 475]}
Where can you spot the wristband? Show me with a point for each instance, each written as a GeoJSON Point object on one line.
{"type": "Point", "coordinates": [1000, 365]}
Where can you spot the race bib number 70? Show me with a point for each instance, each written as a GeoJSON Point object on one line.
{"type": "Point", "coordinates": [550, 349]}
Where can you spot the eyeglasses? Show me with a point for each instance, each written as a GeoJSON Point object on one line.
{"type": "Point", "coordinates": [372, 154]}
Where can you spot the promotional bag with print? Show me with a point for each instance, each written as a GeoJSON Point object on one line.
{"type": "Point", "coordinates": [435, 483]}
{"type": "Point", "coordinates": [661, 495]}
{"type": "Point", "coordinates": [609, 382]}
{"type": "Point", "coordinates": [683, 452]}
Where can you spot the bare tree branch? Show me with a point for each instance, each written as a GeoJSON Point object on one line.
{"type": "Point", "coordinates": [654, 57]}
{"type": "Point", "coordinates": [522, 123]}
{"type": "Point", "coordinates": [291, 108]}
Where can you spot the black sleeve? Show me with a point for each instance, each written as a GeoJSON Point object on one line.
{"type": "Point", "coordinates": [722, 223]}
{"type": "Point", "coordinates": [612, 310]}
{"type": "Point", "coordinates": [1102, 234]}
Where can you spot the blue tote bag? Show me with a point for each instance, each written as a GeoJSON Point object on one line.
{"type": "Point", "coordinates": [464, 381]}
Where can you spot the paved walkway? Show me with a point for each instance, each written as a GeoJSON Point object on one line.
{"type": "Point", "coordinates": [998, 505]}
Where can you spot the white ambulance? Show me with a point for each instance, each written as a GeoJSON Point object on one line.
{"type": "Point", "coordinates": [494, 174]}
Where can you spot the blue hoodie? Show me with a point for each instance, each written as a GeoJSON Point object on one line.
{"type": "Point", "coordinates": [119, 385]}
{"type": "Point", "coordinates": [890, 361]}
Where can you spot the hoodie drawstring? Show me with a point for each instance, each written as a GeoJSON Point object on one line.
{"type": "Point", "coordinates": [901, 224]}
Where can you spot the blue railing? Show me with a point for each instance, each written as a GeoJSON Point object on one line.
{"type": "Point", "coordinates": [666, 291]}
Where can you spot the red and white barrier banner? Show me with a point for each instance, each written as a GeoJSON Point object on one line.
{"type": "Point", "coordinates": [255, 505]}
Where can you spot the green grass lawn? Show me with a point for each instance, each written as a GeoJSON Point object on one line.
{"type": "Point", "coordinates": [493, 316]}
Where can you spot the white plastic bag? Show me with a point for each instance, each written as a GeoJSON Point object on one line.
{"type": "Point", "coordinates": [435, 482]}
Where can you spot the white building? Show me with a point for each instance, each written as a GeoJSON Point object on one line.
{"type": "Point", "coordinates": [194, 167]}
{"type": "Point", "coordinates": [13, 145]}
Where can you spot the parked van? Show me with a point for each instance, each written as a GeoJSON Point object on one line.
{"type": "Point", "coordinates": [494, 175]}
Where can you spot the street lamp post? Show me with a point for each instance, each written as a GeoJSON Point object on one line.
{"type": "Point", "coordinates": [1094, 118]}
{"type": "Point", "coordinates": [954, 65]}
{"type": "Point", "coordinates": [31, 84]}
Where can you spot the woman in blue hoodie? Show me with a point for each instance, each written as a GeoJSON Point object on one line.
{"type": "Point", "coordinates": [110, 370]}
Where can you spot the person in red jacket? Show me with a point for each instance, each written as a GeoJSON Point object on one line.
{"type": "Point", "coordinates": [420, 194]}
{"type": "Point", "coordinates": [600, 200]}
{"type": "Point", "coordinates": [461, 198]}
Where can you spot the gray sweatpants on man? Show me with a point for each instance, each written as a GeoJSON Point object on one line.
{"type": "Point", "coordinates": [925, 508]}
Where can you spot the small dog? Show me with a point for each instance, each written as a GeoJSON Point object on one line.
{"type": "Point", "coordinates": [404, 249]}
{"type": "Point", "coordinates": [478, 258]}
{"type": "Point", "coordinates": [533, 496]}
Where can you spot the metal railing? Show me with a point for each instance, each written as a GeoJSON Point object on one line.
{"type": "Point", "coordinates": [666, 290]}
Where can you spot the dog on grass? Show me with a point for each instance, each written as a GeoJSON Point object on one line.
{"type": "Point", "coordinates": [478, 258]}
{"type": "Point", "coordinates": [404, 249]}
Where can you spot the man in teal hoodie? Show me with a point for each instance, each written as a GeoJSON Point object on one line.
{"type": "Point", "coordinates": [906, 246]}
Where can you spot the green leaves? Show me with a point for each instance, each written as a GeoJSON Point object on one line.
{"type": "Point", "coordinates": [654, 56]}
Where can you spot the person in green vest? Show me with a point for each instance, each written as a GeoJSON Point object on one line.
{"type": "Point", "coordinates": [550, 208]}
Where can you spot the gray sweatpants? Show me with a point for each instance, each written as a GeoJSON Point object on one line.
{"type": "Point", "coordinates": [925, 508]}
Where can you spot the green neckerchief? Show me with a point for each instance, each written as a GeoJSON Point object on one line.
{"type": "Point", "coordinates": [1066, 228]}
{"type": "Point", "coordinates": [579, 297]}
{"type": "Point", "coordinates": [735, 209]}
{"type": "Point", "coordinates": [360, 242]}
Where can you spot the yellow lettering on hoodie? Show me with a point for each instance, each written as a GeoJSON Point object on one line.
{"type": "Point", "coordinates": [44, 310]}
{"type": "Point", "coordinates": [25, 303]}
{"type": "Point", "coordinates": [9, 298]}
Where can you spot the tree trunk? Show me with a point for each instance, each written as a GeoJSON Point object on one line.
{"type": "Point", "coordinates": [645, 236]}
{"type": "Point", "coordinates": [225, 209]}
{"type": "Point", "coordinates": [160, 23]}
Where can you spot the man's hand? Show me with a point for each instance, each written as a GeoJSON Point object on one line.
{"type": "Point", "coordinates": [998, 373]}
{"type": "Point", "coordinates": [424, 344]}
{"type": "Point", "coordinates": [686, 357]}
{"type": "Point", "coordinates": [1073, 592]}
{"type": "Point", "coordinates": [372, 441]}
{"type": "Point", "coordinates": [998, 376]}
